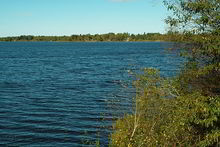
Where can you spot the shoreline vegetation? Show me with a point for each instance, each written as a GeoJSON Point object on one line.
{"type": "Point", "coordinates": [109, 37]}
{"type": "Point", "coordinates": [184, 110]}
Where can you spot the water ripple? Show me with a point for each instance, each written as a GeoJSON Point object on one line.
{"type": "Point", "coordinates": [68, 94]}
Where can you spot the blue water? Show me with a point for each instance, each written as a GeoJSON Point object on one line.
{"type": "Point", "coordinates": [59, 93]}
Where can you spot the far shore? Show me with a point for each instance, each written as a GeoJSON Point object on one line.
{"type": "Point", "coordinates": [110, 37]}
{"type": "Point", "coordinates": [86, 41]}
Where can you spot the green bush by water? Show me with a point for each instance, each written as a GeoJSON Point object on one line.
{"type": "Point", "coordinates": [184, 110]}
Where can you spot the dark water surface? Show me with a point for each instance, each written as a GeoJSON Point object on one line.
{"type": "Point", "coordinates": [54, 93]}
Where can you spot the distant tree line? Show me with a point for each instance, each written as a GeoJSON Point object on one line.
{"type": "Point", "coordinates": [96, 37]}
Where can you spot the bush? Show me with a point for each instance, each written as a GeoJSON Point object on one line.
{"type": "Point", "coordinates": [166, 116]}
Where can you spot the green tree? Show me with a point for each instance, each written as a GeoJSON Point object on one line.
{"type": "Point", "coordinates": [185, 110]}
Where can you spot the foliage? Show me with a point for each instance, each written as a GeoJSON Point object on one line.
{"type": "Point", "coordinates": [199, 21]}
{"type": "Point", "coordinates": [185, 110]}
{"type": "Point", "coordinates": [167, 116]}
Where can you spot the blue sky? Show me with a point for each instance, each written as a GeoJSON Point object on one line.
{"type": "Point", "coordinates": [67, 17]}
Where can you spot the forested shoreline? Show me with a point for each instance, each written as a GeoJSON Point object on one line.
{"type": "Point", "coordinates": [111, 37]}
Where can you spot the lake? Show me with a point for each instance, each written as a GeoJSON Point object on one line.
{"type": "Point", "coordinates": [68, 93]}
